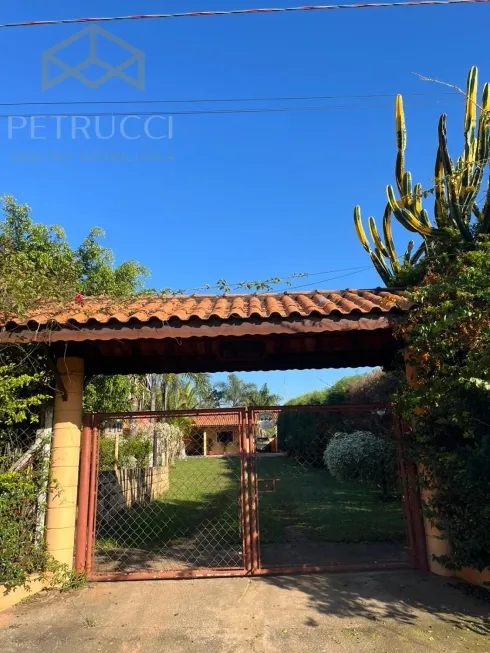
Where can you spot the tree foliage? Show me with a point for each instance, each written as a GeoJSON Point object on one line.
{"type": "Point", "coordinates": [448, 340]}
{"type": "Point", "coordinates": [237, 392]}
{"type": "Point", "coordinates": [447, 336]}
{"type": "Point", "coordinates": [262, 397]}
{"type": "Point", "coordinates": [21, 551]}
{"type": "Point", "coordinates": [37, 262]}
{"type": "Point", "coordinates": [304, 435]}
{"type": "Point", "coordinates": [108, 394]}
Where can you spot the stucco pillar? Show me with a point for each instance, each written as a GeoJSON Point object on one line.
{"type": "Point", "coordinates": [65, 454]}
{"type": "Point", "coordinates": [436, 544]}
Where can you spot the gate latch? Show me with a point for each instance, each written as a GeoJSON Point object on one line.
{"type": "Point", "coordinates": [267, 484]}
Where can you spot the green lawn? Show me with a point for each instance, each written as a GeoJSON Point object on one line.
{"type": "Point", "coordinates": [310, 500]}
{"type": "Point", "coordinates": [202, 502]}
{"type": "Point", "coordinates": [202, 497]}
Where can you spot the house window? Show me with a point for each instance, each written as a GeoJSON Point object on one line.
{"type": "Point", "coordinates": [225, 437]}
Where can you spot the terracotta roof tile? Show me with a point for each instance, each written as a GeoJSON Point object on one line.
{"type": "Point", "coordinates": [321, 303]}
{"type": "Point", "coordinates": [217, 420]}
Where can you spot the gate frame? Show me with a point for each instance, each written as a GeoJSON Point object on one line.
{"type": "Point", "coordinates": [248, 498]}
{"type": "Point", "coordinates": [410, 495]}
{"type": "Point", "coordinates": [87, 498]}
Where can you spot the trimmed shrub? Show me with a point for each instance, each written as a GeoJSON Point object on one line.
{"type": "Point", "coordinates": [362, 456]}
{"type": "Point", "coordinates": [304, 435]}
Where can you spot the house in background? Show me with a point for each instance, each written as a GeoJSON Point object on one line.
{"type": "Point", "coordinates": [213, 434]}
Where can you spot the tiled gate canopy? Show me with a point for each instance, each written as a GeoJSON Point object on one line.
{"type": "Point", "coordinates": [204, 307]}
{"type": "Point", "coordinates": [218, 332]}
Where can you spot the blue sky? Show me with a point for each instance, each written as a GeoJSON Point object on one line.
{"type": "Point", "coordinates": [245, 196]}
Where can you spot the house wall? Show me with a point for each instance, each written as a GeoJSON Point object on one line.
{"type": "Point", "coordinates": [219, 448]}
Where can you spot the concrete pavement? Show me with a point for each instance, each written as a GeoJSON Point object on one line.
{"type": "Point", "coordinates": [391, 612]}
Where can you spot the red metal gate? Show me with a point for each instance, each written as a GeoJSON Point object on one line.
{"type": "Point", "coordinates": [296, 524]}
{"type": "Point", "coordinates": [236, 491]}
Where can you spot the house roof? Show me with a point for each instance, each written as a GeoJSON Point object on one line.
{"type": "Point", "coordinates": [104, 311]}
{"type": "Point", "coordinates": [218, 419]}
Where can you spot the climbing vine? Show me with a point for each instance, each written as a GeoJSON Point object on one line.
{"type": "Point", "coordinates": [448, 338]}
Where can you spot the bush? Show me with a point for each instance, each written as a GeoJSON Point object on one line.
{"type": "Point", "coordinates": [448, 344]}
{"type": "Point", "coordinates": [361, 456]}
{"type": "Point", "coordinates": [304, 435]}
{"type": "Point", "coordinates": [135, 451]}
{"type": "Point", "coordinates": [106, 454]}
{"type": "Point", "coordinates": [22, 550]}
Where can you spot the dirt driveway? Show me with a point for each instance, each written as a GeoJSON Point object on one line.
{"type": "Point", "coordinates": [382, 612]}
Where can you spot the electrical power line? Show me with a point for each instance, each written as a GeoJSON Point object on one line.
{"type": "Point", "coordinates": [200, 112]}
{"type": "Point", "coordinates": [236, 12]}
{"type": "Point", "coordinates": [240, 284]}
{"type": "Point", "coordinates": [340, 276]}
{"type": "Point", "coordinates": [233, 288]}
{"type": "Point", "coordinates": [293, 98]}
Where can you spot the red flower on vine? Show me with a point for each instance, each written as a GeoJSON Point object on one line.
{"type": "Point", "coordinates": [79, 298]}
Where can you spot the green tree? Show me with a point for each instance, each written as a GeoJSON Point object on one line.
{"type": "Point", "coordinates": [234, 391]}
{"type": "Point", "coordinates": [262, 397]}
{"type": "Point", "coordinates": [36, 262]}
{"type": "Point", "coordinates": [304, 435]}
{"type": "Point", "coordinates": [98, 275]}
{"type": "Point", "coordinates": [447, 335]}
{"type": "Point", "coordinates": [166, 391]}
{"type": "Point", "coordinates": [237, 392]}
{"type": "Point", "coordinates": [108, 394]}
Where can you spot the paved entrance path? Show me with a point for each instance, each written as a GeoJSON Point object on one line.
{"type": "Point", "coordinates": [383, 612]}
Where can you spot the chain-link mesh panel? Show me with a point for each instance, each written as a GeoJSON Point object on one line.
{"type": "Point", "coordinates": [169, 493]}
{"type": "Point", "coordinates": [24, 469]}
{"type": "Point", "coordinates": [327, 487]}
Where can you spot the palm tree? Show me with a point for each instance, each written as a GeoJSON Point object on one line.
{"type": "Point", "coordinates": [156, 391]}
{"type": "Point", "coordinates": [263, 397]}
{"type": "Point", "coordinates": [237, 392]}
{"type": "Point", "coordinates": [184, 396]}
{"type": "Point", "coordinates": [233, 391]}
{"type": "Point", "coordinates": [172, 384]}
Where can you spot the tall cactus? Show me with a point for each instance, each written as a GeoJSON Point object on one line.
{"type": "Point", "coordinates": [456, 188]}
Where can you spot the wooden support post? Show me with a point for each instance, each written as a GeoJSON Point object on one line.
{"type": "Point", "coordinates": [116, 451]}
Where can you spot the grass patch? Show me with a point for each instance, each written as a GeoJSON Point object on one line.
{"type": "Point", "coordinates": [202, 502]}
{"type": "Point", "coordinates": [202, 499]}
{"type": "Point", "coordinates": [325, 509]}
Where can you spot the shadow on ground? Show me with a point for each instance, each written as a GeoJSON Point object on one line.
{"type": "Point", "coordinates": [396, 612]}
{"type": "Point", "coordinates": [398, 596]}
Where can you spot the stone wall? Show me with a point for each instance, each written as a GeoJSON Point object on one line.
{"type": "Point", "coordinates": [127, 487]}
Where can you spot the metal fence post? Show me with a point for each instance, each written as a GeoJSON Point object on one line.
{"type": "Point", "coordinates": [83, 495]}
